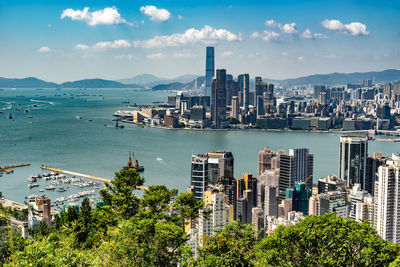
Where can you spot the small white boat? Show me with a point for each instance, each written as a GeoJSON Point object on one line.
{"type": "Point", "coordinates": [32, 185]}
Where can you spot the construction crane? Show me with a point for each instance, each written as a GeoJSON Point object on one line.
{"type": "Point", "coordinates": [308, 178]}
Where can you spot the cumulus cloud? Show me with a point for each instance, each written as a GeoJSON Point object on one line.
{"type": "Point", "coordinates": [353, 28]}
{"type": "Point", "coordinates": [114, 44]}
{"type": "Point", "coordinates": [156, 14]}
{"type": "Point", "coordinates": [285, 54]}
{"type": "Point", "coordinates": [180, 17]}
{"type": "Point", "coordinates": [44, 49]}
{"type": "Point", "coordinates": [227, 53]}
{"type": "Point", "coordinates": [307, 34]}
{"type": "Point", "coordinates": [266, 36]}
{"type": "Point", "coordinates": [206, 35]}
{"type": "Point", "coordinates": [289, 28]}
{"type": "Point", "coordinates": [108, 15]}
{"type": "Point", "coordinates": [81, 47]}
{"type": "Point", "coordinates": [155, 56]}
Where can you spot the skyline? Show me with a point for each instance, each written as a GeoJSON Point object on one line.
{"type": "Point", "coordinates": [123, 39]}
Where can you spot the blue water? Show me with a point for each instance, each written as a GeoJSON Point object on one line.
{"type": "Point", "coordinates": [55, 137]}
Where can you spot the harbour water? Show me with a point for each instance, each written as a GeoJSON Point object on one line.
{"type": "Point", "coordinates": [56, 136]}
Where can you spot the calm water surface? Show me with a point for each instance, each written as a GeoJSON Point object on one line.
{"type": "Point", "coordinates": [55, 137]}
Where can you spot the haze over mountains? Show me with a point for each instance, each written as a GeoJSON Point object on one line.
{"type": "Point", "coordinates": [150, 81]}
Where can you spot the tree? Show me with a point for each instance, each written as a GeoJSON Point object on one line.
{"type": "Point", "coordinates": [325, 241]}
{"type": "Point", "coordinates": [232, 246]}
{"type": "Point", "coordinates": [119, 192]}
{"type": "Point", "coordinates": [188, 207]}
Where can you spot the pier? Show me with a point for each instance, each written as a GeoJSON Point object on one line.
{"type": "Point", "coordinates": [84, 176]}
{"type": "Point", "coordinates": [7, 168]}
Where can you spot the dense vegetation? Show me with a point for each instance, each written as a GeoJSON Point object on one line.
{"type": "Point", "coordinates": [149, 231]}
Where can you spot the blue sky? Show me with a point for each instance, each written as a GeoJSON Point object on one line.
{"type": "Point", "coordinates": [61, 40]}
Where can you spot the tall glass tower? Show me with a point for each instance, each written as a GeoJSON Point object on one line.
{"type": "Point", "coordinates": [209, 69]}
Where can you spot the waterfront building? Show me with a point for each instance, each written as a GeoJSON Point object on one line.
{"type": "Point", "coordinates": [387, 200]}
{"type": "Point", "coordinates": [218, 99]}
{"type": "Point", "coordinates": [300, 197]}
{"type": "Point", "coordinates": [38, 211]}
{"type": "Point", "coordinates": [330, 183]}
{"type": "Point", "coordinates": [295, 167]}
{"type": "Point", "coordinates": [199, 175]}
{"type": "Point", "coordinates": [353, 160]}
{"type": "Point", "coordinates": [209, 69]}
{"type": "Point", "coordinates": [235, 107]}
{"type": "Point", "coordinates": [243, 80]}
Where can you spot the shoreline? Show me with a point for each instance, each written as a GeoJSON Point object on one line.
{"type": "Point", "coordinates": [392, 133]}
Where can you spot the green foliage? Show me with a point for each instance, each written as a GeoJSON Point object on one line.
{"type": "Point", "coordinates": [327, 240]}
{"type": "Point", "coordinates": [119, 192]}
{"type": "Point", "coordinates": [233, 246]}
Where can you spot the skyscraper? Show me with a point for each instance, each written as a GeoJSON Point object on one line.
{"type": "Point", "coordinates": [218, 99]}
{"type": "Point", "coordinates": [243, 80]}
{"type": "Point", "coordinates": [235, 107]}
{"type": "Point", "coordinates": [209, 69]}
{"type": "Point", "coordinates": [199, 175]}
{"type": "Point", "coordinates": [295, 167]}
{"type": "Point", "coordinates": [353, 160]}
{"type": "Point", "coordinates": [220, 165]}
{"type": "Point", "coordinates": [387, 200]}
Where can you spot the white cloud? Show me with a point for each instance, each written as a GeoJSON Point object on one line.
{"type": "Point", "coordinates": [155, 56]}
{"type": "Point", "coordinates": [307, 34]}
{"type": "Point", "coordinates": [285, 54]}
{"type": "Point", "coordinates": [108, 15]}
{"type": "Point", "coordinates": [44, 49]}
{"type": "Point", "coordinates": [353, 28]}
{"type": "Point", "coordinates": [184, 54]}
{"type": "Point", "coordinates": [289, 28]}
{"type": "Point", "coordinates": [81, 46]}
{"type": "Point", "coordinates": [266, 36]}
{"type": "Point", "coordinates": [206, 35]}
{"type": "Point", "coordinates": [125, 56]}
{"type": "Point", "coordinates": [114, 44]}
{"type": "Point", "coordinates": [156, 14]}
{"type": "Point", "coordinates": [227, 53]}
{"type": "Point", "coordinates": [330, 56]}
{"type": "Point", "coordinates": [300, 58]}
{"type": "Point", "coordinates": [179, 17]}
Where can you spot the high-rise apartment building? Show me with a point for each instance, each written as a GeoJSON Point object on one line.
{"type": "Point", "coordinates": [353, 160]}
{"type": "Point", "coordinates": [271, 200]}
{"type": "Point", "coordinates": [267, 160]}
{"type": "Point", "coordinates": [248, 182]}
{"type": "Point", "coordinates": [209, 69]}
{"type": "Point", "coordinates": [387, 200]}
{"type": "Point", "coordinates": [218, 99]}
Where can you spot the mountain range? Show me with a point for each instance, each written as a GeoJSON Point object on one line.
{"type": "Point", "coordinates": [186, 82]}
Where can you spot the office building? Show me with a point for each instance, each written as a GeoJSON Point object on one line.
{"type": "Point", "coordinates": [244, 207]}
{"type": "Point", "coordinates": [218, 99]}
{"type": "Point", "coordinates": [267, 160]}
{"type": "Point", "coordinates": [330, 183]}
{"type": "Point", "coordinates": [387, 200]}
{"type": "Point", "coordinates": [373, 163]}
{"type": "Point", "coordinates": [271, 200]}
{"type": "Point", "coordinates": [300, 197]}
{"type": "Point", "coordinates": [235, 107]}
{"type": "Point", "coordinates": [199, 175]}
{"type": "Point", "coordinates": [295, 167]}
{"type": "Point", "coordinates": [220, 164]}
{"type": "Point", "coordinates": [333, 201]}
{"type": "Point", "coordinates": [353, 160]}
{"type": "Point", "coordinates": [248, 182]}
{"type": "Point", "coordinates": [243, 80]}
{"type": "Point", "coordinates": [209, 69]}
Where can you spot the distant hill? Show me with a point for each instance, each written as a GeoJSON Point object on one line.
{"type": "Point", "coordinates": [32, 82]}
{"type": "Point", "coordinates": [29, 82]}
{"type": "Point", "coordinates": [97, 83]}
{"type": "Point", "coordinates": [142, 79]}
{"type": "Point", "coordinates": [169, 86]}
{"type": "Point", "coordinates": [343, 78]}
{"type": "Point", "coordinates": [150, 80]}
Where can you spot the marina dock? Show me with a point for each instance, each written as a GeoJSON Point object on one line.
{"type": "Point", "coordinates": [7, 169]}
{"type": "Point", "coordinates": [84, 175]}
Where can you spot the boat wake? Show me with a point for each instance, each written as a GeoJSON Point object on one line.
{"type": "Point", "coordinates": [41, 101]}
